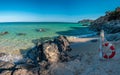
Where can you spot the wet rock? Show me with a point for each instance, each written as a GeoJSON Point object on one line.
{"type": "Point", "coordinates": [62, 43]}
{"type": "Point", "coordinates": [36, 54]}
{"type": "Point", "coordinates": [40, 58]}
{"type": "Point", "coordinates": [4, 33]}
{"type": "Point", "coordinates": [25, 66]}
{"type": "Point", "coordinates": [41, 40]}
{"type": "Point", "coordinates": [21, 34]}
{"type": "Point", "coordinates": [51, 51]}
{"type": "Point", "coordinates": [40, 30]}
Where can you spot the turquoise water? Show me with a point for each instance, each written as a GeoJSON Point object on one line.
{"type": "Point", "coordinates": [12, 41]}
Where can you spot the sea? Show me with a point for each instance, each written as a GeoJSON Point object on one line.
{"type": "Point", "coordinates": [20, 35]}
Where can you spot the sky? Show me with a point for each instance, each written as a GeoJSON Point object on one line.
{"type": "Point", "coordinates": [54, 10]}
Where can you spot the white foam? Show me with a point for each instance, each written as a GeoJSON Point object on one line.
{"type": "Point", "coordinates": [9, 57]}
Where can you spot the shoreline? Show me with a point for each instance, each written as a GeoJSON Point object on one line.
{"type": "Point", "coordinates": [88, 61]}
{"type": "Point", "coordinates": [16, 56]}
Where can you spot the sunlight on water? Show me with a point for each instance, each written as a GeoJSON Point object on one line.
{"type": "Point", "coordinates": [13, 41]}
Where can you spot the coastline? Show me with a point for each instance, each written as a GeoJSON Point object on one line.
{"type": "Point", "coordinates": [16, 55]}
{"type": "Point", "coordinates": [88, 61]}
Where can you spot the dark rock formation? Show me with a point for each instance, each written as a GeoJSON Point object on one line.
{"type": "Point", "coordinates": [85, 21]}
{"type": "Point", "coordinates": [4, 33]}
{"type": "Point", "coordinates": [110, 22]}
{"type": "Point", "coordinates": [50, 51]}
{"type": "Point", "coordinates": [21, 34]}
{"type": "Point", "coordinates": [63, 43]}
{"type": "Point", "coordinates": [39, 58]}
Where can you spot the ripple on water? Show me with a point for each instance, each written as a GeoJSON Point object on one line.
{"type": "Point", "coordinates": [11, 42]}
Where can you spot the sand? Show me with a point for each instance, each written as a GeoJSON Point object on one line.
{"type": "Point", "coordinates": [89, 63]}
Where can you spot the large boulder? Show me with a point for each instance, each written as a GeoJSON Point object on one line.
{"type": "Point", "coordinates": [52, 51]}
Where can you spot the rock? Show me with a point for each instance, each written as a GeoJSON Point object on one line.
{"type": "Point", "coordinates": [51, 52]}
{"type": "Point", "coordinates": [6, 65]}
{"type": "Point", "coordinates": [36, 54]}
{"type": "Point", "coordinates": [33, 71]}
{"type": "Point", "coordinates": [21, 34]}
{"type": "Point", "coordinates": [6, 72]}
{"type": "Point", "coordinates": [41, 40]}
{"type": "Point", "coordinates": [112, 26]}
{"type": "Point", "coordinates": [40, 30]}
{"type": "Point", "coordinates": [21, 72]}
{"type": "Point", "coordinates": [40, 58]}
{"type": "Point", "coordinates": [6, 68]}
{"type": "Point", "coordinates": [113, 37]}
{"type": "Point", "coordinates": [4, 33]}
{"type": "Point", "coordinates": [109, 22]}
{"type": "Point", "coordinates": [84, 21]}
{"type": "Point", "coordinates": [62, 43]}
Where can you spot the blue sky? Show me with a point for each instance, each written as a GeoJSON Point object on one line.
{"type": "Point", "coordinates": [54, 10]}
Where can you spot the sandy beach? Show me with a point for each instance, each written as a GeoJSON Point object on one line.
{"type": "Point", "coordinates": [89, 63]}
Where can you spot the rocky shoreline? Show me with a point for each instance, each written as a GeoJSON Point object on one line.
{"type": "Point", "coordinates": [40, 58]}
{"type": "Point", "coordinates": [110, 23]}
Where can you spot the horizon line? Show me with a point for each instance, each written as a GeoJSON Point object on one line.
{"type": "Point", "coordinates": [39, 22]}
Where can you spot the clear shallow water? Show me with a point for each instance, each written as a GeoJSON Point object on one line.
{"type": "Point", "coordinates": [13, 43]}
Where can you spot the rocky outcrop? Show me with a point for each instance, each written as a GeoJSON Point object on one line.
{"type": "Point", "coordinates": [85, 22]}
{"type": "Point", "coordinates": [110, 22]}
{"type": "Point", "coordinates": [4, 33]}
{"type": "Point", "coordinates": [39, 58]}
{"type": "Point", "coordinates": [6, 68]}
{"type": "Point", "coordinates": [113, 37]}
{"type": "Point", "coordinates": [50, 51]}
